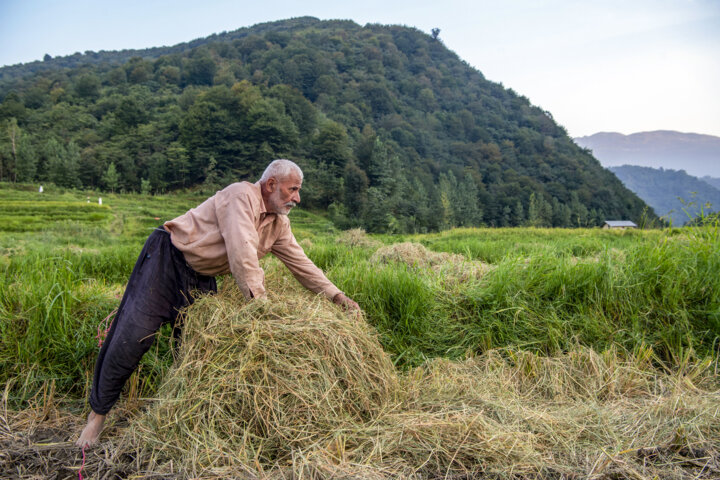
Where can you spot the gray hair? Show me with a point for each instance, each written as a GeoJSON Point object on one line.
{"type": "Point", "coordinates": [280, 169]}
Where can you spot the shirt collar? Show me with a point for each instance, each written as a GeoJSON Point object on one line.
{"type": "Point", "coordinates": [258, 191]}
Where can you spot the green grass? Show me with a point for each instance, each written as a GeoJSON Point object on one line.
{"type": "Point", "coordinates": [477, 244]}
{"type": "Point", "coordinates": [657, 292]}
{"type": "Point", "coordinates": [21, 216]}
{"type": "Point", "coordinates": [64, 263]}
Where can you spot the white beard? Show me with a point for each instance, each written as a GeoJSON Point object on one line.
{"type": "Point", "coordinates": [277, 205]}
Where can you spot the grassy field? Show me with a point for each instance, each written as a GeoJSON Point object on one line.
{"type": "Point", "coordinates": [631, 297]}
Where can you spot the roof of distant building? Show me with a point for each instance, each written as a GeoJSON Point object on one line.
{"type": "Point", "coordinates": [620, 223]}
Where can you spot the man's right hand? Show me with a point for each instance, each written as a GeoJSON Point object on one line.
{"type": "Point", "coordinates": [347, 303]}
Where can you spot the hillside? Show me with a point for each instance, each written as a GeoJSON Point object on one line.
{"type": "Point", "coordinates": [698, 155]}
{"type": "Point", "coordinates": [394, 131]}
{"type": "Point", "coordinates": [666, 190]}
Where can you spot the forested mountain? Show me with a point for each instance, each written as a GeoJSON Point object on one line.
{"type": "Point", "coordinates": [671, 193]}
{"type": "Point", "coordinates": [697, 154]}
{"type": "Point", "coordinates": [393, 130]}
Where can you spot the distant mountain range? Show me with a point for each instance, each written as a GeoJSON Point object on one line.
{"type": "Point", "coordinates": [715, 182]}
{"type": "Point", "coordinates": [672, 194]}
{"type": "Point", "coordinates": [698, 155]}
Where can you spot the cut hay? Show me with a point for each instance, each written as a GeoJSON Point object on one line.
{"type": "Point", "coordinates": [582, 413]}
{"type": "Point", "coordinates": [414, 255]}
{"type": "Point", "coordinates": [450, 266]}
{"type": "Point", "coordinates": [356, 237]}
{"type": "Point", "coordinates": [291, 387]}
{"type": "Point", "coordinates": [259, 381]}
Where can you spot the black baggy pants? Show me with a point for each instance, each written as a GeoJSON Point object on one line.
{"type": "Point", "coordinates": [161, 283]}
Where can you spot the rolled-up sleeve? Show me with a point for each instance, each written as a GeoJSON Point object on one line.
{"type": "Point", "coordinates": [286, 248]}
{"type": "Point", "coordinates": [236, 222]}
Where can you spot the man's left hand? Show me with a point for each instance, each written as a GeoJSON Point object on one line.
{"type": "Point", "coordinates": [346, 302]}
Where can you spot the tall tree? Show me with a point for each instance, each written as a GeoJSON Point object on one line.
{"type": "Point", "coordinates": [467, 211]}
{"type": "Point", "coordinates": [356, 185]}
{"type": "Point", "coordinates": [331, 145]}
{"type": "Point", "coordinates": [201, 71]}
{"type": "Point", "coordinates": [64, 164]}
{"type": "Point", "coordinates": [448, 187]}
{"type": "Point", "coordinates": [110, 178]}
{"type": "Point", "coordinates": [26, 160]}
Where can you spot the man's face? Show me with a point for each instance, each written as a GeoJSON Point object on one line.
{"type": "Point", "coordinates": [286, 193]}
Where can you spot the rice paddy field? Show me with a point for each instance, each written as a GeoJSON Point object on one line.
{"type": "Point", "coordinates": [481, 353]}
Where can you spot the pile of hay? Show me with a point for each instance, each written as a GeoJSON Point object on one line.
{"type": "Point", "coordinates": [451, 266]}
{"type": "Point", "coordinates": [579, 415]}
{"type": "Point", "coordinates": [356, 237]}
{"type": "Point", "coordinates": [414, 255]}
{"type": "Point", "coordinates": [261, 381]}
{"type": "Point", "coordinates": [292, 387]}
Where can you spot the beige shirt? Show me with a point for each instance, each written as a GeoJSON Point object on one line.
{"type": "Point", "coordinates": [231, 231]}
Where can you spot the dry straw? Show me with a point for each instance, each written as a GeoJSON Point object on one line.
{"type": "Point", "coordinates": [259, 381]}
{"type": "Point", "coordinates": [291, 387]}
{"type": "Point", "coordinates": [449, 266]}
{"type": "Point", "coordinates": [356, 237]}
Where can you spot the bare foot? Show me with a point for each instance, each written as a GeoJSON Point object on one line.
{"type": "Point", "coordinates": [90, 434]}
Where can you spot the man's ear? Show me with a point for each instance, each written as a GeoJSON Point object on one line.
{"type": "Point", "coordinates": [270, 184]}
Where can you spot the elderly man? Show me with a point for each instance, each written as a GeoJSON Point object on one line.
{"type": "Point", "coordinates": [228, 233]}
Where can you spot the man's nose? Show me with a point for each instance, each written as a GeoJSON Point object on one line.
{"type": "Point", "coordinates": [296, 197]}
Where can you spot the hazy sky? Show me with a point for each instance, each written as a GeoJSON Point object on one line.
{"type": "Point", "coordinates": [596, 65]}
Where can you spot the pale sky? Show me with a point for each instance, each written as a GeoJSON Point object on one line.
{"type": "Point", "coordinates": [597, 65]}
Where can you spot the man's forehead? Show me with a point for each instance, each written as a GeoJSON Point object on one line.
{"type": "Point", "coordinates": [292, 179]}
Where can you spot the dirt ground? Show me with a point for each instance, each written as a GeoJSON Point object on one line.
{"type": "Point", "coordinates": [40, 445]}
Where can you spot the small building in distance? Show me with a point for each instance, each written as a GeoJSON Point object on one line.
{"type": "Point", "coordinates": [621, 224]}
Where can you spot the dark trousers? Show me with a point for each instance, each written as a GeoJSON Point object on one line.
{"type": "Point", "coordinates": [161, 283]}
